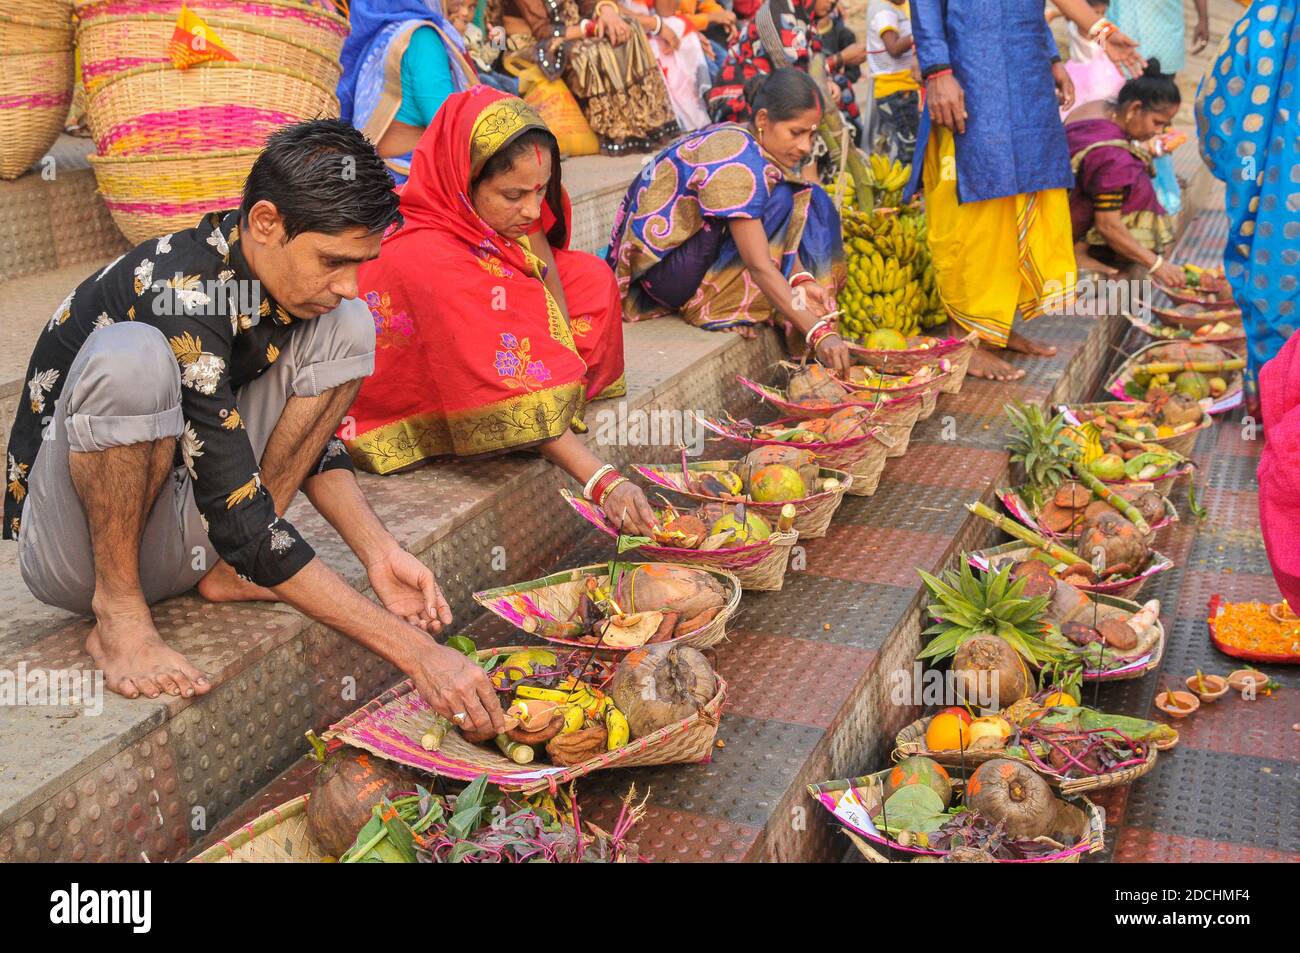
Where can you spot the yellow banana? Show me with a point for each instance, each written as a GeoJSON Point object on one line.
{"type": "Point", "coordinates": [541, 694]}
{"type": "Point", "coordinates": [616, 729]}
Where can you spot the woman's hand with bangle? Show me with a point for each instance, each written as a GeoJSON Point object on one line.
{"type": "Point", "coordinates": [628, 510]}
{"type": "Point", "coordinates": [1171, 276]}
{"type": "Point", "coordinates": [668, 36]}
{"type": "Point", "coordinates": [832, 352]}
{"type": "Point", "coordinates": [612, 26]}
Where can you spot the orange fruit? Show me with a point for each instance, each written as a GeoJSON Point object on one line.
{"type": "Point", "coordinates": [1062, 699]}
{"type": "Point", "coordinates": [946, 732]}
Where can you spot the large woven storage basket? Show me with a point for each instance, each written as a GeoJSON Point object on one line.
{"type": "Point", "coordinates": [392, 725]}
{"type": "Point", "coordinates": [310, 24]}
{"type": "Point", "coordinates": [34, 104]}
{"type": "Point", "coordinates": [277, 837]}
{"type": "Point", "coordinates": [150, 196]}
{"type": "Point", "coordinates": [209, 107]}
{"type": "Point", "coordinates": [111, 44]}
{"type": "Point", "coordinates": [34, 27]}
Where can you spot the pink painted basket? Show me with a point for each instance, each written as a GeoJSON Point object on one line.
{"type": "Point", "coordinates": [758, 566]}
{"type": "Point", "coordinates": [862, 456]}
{"type": "Point", "coordinates": [34, 102]}
{"type": "Point", "coordinates": [999, 556]}
{"type": "Point", "coordinates": [900, 414]}
{"type": "Point", "coordinates": [812, 513]}
{"type": "Point", "coordinates": [392, 725]}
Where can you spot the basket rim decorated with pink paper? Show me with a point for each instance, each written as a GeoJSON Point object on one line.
{"type": "Point", "coordinates": [999, 556]}
{"type": "Point", "coordinates": [392, 725]}
{"type": "Point", "coordinates": [560, 594]}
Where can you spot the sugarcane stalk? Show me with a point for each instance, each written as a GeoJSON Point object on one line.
{"type": "Point", "coordinates": [831, 129]}
{"type": "Point", "coordinates": [785, 521]}
{"type": "Point", "coordinates": [516, 751]}
{"type": "Point", "coordinates": [1201, 367]}
{"type": "Point", "coordinates": [1103, 492]}
{"type": "Point", "coordinates": [552, 628]}
{"type": "Point", "coordinates": [432, 739]}
{"type": "Point", "coordinates": [1027, 535]}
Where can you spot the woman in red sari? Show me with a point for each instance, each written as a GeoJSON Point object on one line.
{"type": "Point", "coordinates": [492, 334]}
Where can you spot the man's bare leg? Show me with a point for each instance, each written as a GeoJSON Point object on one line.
{"type": "Point", "coordinates": [294, 447]}
{"type": "Point", "coordinates": [118, 487]}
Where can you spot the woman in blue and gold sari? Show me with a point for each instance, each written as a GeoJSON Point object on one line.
{"type": "Point", "coordinates": [721, 228]}
{"type": "Point", "coordinates": [402, 59]}
{"type": "Point", "coordinates": [1250, 138]}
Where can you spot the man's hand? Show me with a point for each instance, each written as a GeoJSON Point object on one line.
{"type": "Point", "coordinates": [1201, 36]}
{"type": "Point", "coordinates": [629, 511]}
{"type": "Point", "coordinates": [459, 690]}
{"type": "Point", "coordinates": [408, 589]}
{"type": "Point", "coordinates": [725, 17]}
{"type": "Point", "coordinates": [1064, 86]}
{"type": "Point", "coordinates": [947, 102]}
{"type": "Point", "coordinates": [612, 27]}
{"type": "Point", "coordinates": [855, 54]}
{"type": "Point", "coordinates": [1123, 51]}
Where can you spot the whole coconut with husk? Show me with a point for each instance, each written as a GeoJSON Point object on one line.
{"type": "Point", "coordinates": [990, 673]}
{"type": "Point", "coordinates": [1123, 546]}
{"type": "Point", "coordinates": [349, 783]}
{"type": "Point", "coordinates": [665, 587]}
{"type": "Point", "coordinates": [656, 686]}
{"type": "Point", "coordinates": [1179, 409]}
{"type": "Point", "coordinates": [814, 382]}
{"type": "Point", "coordinates": [1007, 792]}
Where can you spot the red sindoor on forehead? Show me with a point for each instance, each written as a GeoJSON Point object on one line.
{"type": "Point", "coordinates": [538, 150]}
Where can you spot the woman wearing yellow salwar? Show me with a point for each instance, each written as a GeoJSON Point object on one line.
{"type": "Point", "coordinates": [996, 169]}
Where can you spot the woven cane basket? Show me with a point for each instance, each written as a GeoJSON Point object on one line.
{"type": "Point", "coordinates": [862, 456]}
{"type": "Point", "coordinates": [40, 31]}
{"type": "Point", "coordinates": [212, 106]}
{"type": "Point", "coordinates": [877, 849]}
{"type": "Point", "coordinates": [558, 597]}
{"type": "Point", "coordinates": [150, 196]}
{"type": "Point", "coordinates": [277, 837]}
{"type": "Point", "coordinates": [812, 513]}
{"type": "Point", "coordinates": [1182, 444]}
{"type": "Point", "coordinates": [911, 741]}
{"type": "Point", "coordinates": [760, 565]}
{"type": "Point", "coordinates": [997, 557]}
{"type": "Point", "coordinates": [896, 414]}
{"type": "Point", "coordinates": [392, 725]}
{"type": "Point", "coordinates": [34, 106]}
{"type": "Point", "coordinates": [112, 44]}
{"type": "Point", "coordinates": [309, 24]}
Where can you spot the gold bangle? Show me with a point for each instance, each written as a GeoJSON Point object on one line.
{"type": "Point", "coordinates": [605, 3]}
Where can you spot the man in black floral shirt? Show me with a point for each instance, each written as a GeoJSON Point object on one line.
{"type": "Point", "coordinates": [178, 400]}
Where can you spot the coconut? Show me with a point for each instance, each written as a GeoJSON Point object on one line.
{"type": "Point", "coordinates": [1118, 539]}
{"type": "Point", "coordinates": [657, 686]}
{"type": "Point", "coordinates": [1179, 409]}
{"type": "Point", "coordinates": [1009, 793]}
{"type": "Point", "coordinates": [814, 382]}
{"type": "Point", "coordinates": [664, 587]}
{"type": "Point", "coordinates": [990, 673]}
{"type": "Point", "coordinates": [1147, 502]}
{"type": "Point", "coordinates": [348, 785]}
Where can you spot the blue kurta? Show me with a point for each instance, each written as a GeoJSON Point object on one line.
{"type": "Point", "coordinates": [1001, 53]}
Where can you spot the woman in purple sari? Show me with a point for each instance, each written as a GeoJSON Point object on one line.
{"type": "Point", "coordinates": [1116, 217]}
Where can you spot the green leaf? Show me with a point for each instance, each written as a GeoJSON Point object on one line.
{"type": "Point", "coordinates": [633, 542]}
{"type": "Point", "coordinates": [470, 807]}
{"type": "Point", "coordinates": [914, 808]}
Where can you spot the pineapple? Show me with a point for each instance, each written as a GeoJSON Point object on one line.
{"type": "Point", "coordinates": [987, 603]}
{"type": "Point", "coordinates": [1044, 448]}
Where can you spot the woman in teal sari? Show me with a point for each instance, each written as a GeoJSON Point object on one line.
{"type": "Point", "coordinates": [1250, 138]}
{"type": "Point", "coordinates": [401, 61]}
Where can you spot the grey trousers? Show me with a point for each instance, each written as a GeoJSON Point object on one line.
{"type": "Point", "coordinates": [123, 388]}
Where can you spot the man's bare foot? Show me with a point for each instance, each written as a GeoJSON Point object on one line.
{"type": "Point", "coordinates": [1022, 345]}
{"type": "Point", "coordinates": [136, 661]}
{"type": "Point", "coordinates": [222, 585]}
{"type": "Point", "coordinates": [988, 366]}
